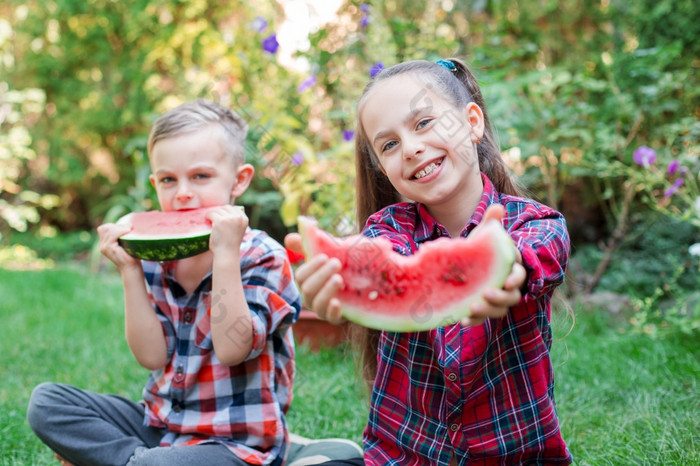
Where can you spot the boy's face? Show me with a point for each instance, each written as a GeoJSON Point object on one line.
{"type": "Point", "coordinates": [193, 170]}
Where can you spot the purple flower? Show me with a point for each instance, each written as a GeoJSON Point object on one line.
{"type": "Point", "coordinates": [672, 190]}
{"type": "Point", "coordinates": [376, 69]}
{"type": "Point", "coordinates": [673, 167]}
{"type": "Point", "coordinates": [297, 158]}
{"type": "Point", "coordinates": [308, 82]}
{"type": "Point", "coordinates": [259, 24]}
{"type": "Point", "coordinates": [365, 15]}
{"type": "Point", "coordinates": [348, 134]}
{"type": "Point", "coordinates": [270, 44]}
{"type": "Point", "coordinates": [644, 156]}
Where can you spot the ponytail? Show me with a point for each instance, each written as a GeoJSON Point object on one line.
{"type": "Point", "coordinates": [374, 191]}
{"type": "Point", "coordinates": [491, 161]}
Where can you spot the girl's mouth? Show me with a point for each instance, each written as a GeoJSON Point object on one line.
{"type": "Point", "coordinates": [428, 169]}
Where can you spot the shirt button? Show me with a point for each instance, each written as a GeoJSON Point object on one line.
{"type": "Point", "coordinates": [188, 316]}
{"type": "Point", "coordinates": [176, 407]}
{"type": "Point", "coordinates": [452, 376]}
{"type": "Point", "coordinates": [454, 427]}
{"type": "Point", "coordinates": [179, 374]}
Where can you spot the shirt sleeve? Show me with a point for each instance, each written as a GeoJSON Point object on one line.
{"type": "Point", "coordinates": [541, 236]}
{"type": "Point", "coordinates": [273, 298]}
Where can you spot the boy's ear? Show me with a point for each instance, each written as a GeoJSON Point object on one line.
{"type": "Point", "coordinates": [475, 118]}
{"type": "Point", "coordinates": [152, 178]}
{"type": "Point", "coordinates": [244, 175]}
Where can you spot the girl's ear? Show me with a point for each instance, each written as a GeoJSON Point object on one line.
{"type": "Point", "coordinates": [475, 118]}
{"type": "Point", "coordinates": [244, 176]}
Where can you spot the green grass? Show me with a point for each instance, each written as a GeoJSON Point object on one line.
{"type": "Point", "coordinates": [623, 398]}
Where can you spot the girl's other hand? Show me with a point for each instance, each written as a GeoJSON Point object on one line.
{"type": "Point", "coordinates": [109, 234]}
{"type": "Point", "coordinates": [318, 281]}
{"type": "Point", "coordinates": [498, 301]}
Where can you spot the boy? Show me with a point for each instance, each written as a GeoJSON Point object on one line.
{"type": "Point", "coordinates": [214, 329]}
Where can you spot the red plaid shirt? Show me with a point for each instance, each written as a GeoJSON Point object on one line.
{"type": "Point", "coordinates": [484, 393]}
{"type": "Point", "coordinates": [195, 397]}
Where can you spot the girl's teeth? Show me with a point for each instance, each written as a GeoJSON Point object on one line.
{"type": "Point", "coordinates": [426, 171]}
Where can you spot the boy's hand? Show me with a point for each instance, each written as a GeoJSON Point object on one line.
{"type": "Point", "coordinates": [497, 302]}
{"type": "Point", "coordinates": [109, 234]}
{"type": "Point", "coordinates": [318, 281]}
{"type": "Point", "coordinates": [228, 226]}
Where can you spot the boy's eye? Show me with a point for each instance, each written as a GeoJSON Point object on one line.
{"type": "Point", "coordinates": [202, 176]}
{"type": "Point", "coordinates": [167, 179]}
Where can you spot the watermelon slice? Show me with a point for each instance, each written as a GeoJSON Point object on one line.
{"type": "Point", "coordinates": [166, 236]}
{"type": "Point", "coordinates": [433, 288]}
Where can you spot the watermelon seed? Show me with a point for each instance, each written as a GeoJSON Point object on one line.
{"type": "Point", "coordinates": [373, 295]}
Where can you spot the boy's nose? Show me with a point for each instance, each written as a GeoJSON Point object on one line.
{"type": "Point", "coordinates": [184, 193]}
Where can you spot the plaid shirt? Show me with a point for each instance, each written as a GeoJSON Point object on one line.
{"type": "Point", "coordinates": [485, 393]}
{"type": "Point", "coordinates": [195, 397]}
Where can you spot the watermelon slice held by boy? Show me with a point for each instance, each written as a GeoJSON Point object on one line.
{"type": "Point", "coordinates": [164, 236]}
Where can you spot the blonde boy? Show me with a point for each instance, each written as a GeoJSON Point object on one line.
{"type": "Point", "coordinates": [213, 329]}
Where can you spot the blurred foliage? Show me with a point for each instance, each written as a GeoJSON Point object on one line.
{"type": "Point", "coordinates": [574, 89]}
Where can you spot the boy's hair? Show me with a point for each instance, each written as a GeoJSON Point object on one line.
{"type": "Point", "coordinates": [374, 191]}
{"type": "Point", "coordinates": [199, 114]}
{"type": "Point", "coordinates": [459, 86]}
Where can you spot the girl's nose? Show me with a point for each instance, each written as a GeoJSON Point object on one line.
{"type": "Point", "coordinates": [412, 147]}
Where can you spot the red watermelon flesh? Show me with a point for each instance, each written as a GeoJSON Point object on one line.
{"type": "Point", "coordinates": [432, 288]}
{"type": "Point", "coordinates": [162, 236]}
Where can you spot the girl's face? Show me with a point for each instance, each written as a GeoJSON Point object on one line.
{"type": "Point", "coordinates": [193, 170]}
{"type": "Point", "coordinates": [424, 144]}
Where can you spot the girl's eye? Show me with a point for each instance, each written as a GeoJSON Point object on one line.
{"type": "Point", "coordinates": [389, 145]}
{"type": "Point", "coordinates": [424, 123]}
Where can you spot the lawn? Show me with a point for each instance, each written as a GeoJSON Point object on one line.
{"type": "Point", "coordinates": [623, 398]}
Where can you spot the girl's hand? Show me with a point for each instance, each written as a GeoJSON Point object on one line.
{"type": "Point", "coordinates": [109, 234]}
{"type": "Point", "coordinates": [497, 302]}
{"type": "Point", "coordinates": [318, 281]}
{"type": "Point", "coordinates": [228, 226]}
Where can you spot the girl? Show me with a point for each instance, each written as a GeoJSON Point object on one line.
{"type": "Point", "coordinates": [482, 391]}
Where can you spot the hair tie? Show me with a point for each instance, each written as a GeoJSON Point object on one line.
{"type": "Point", "coordinates": [447, 64]}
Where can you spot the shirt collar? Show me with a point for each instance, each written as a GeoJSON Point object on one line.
{"type": "Point", "coordinates": [427, 228]}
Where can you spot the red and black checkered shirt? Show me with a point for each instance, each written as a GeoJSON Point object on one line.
{"type": "Point", "coordinates": [484, 394]}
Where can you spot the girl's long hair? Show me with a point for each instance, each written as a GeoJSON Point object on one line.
{"type": "Point", "coordinates": [374, 191]}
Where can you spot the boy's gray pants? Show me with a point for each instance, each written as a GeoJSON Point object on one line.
{"type": "Point", "coordinates": [87, 428]}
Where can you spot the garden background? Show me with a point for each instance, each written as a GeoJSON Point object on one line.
{"type": "Point", "coordinates": [597, 106]}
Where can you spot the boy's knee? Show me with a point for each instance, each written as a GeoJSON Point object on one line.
{"type": "Point", "coordinates": [42, 397]}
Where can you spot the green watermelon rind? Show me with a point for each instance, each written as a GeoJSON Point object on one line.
{"type": "Point", "coordinates": [162, 247]}
{"type": "Point", "coordinates": [503, 249]}
{"type": "Point", "coordinates": [165, 249]}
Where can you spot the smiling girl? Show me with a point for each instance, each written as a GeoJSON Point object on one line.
{"type": "Point", "coordinates": [476, 392]}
